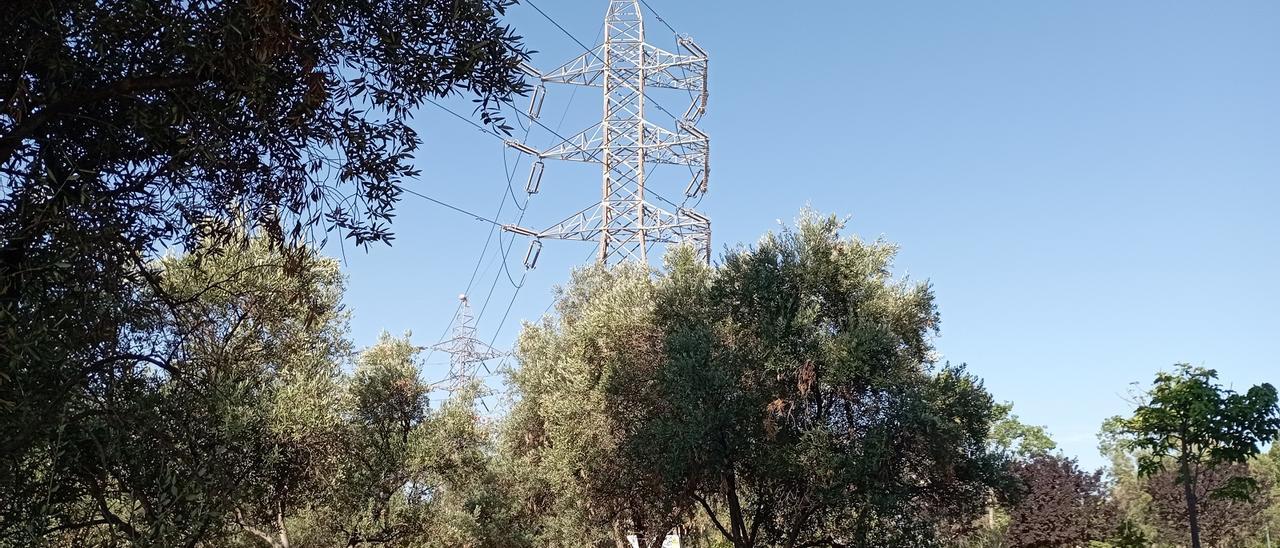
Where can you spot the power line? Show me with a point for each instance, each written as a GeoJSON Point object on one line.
{"type": "Point", "coordinates": [511, 191]}
{"type": "Point", "coordinates": [557, 24]}
{"type": "Point", "coordinates": [545, 311]}
{"type": "Point", "coordinates": [483, 253]}
{"type": "Point", "coordinates": [489, 296]}
{"type": "Point", "coordinates": [476, 216]}
{"type": "Point", "coordinates": [502, 204]}
{"type": "Point", "coordinates": [574, 94]}
{"type": "Point", "coordinates": [465, 119]}
{"type": "Point", "coordinates": [504, 252]}
{"type": "Point", "coordinates": [538, 122]}
{"type": "Point", "coordinates": [677, 34]}
{"type": "Point", "coordinates": [510, 174]}
{"type": "Point", "coordinates": [507, 314]}
{"type": "Point", "coordinates": [506, 260]}
{"type": "Point", "coordinates": [504, 248]}
{"type": "Point", "coordinates": [659, 17]}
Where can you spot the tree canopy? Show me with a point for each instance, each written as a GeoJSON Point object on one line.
{"type": "Point", "coordinates": [255, 434]}
{"type": "Point", "coordinates": [1010, 435]}
{"type": "Point", "coordinates": [789, 395]}
{"type": "Point", "coordinates": [158, 116]}
{"type": "Point", "coordinates": [213, 128]}
{"type": "Point", "coordinates": [1223, 521]}
{"type": "Point", "coordinates": [1061, 505]}
{"type": "Point", "coordinates": [1193, 423]}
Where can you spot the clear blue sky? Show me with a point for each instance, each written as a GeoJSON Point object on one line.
{"type": "Point", "coordinates": [1090, 185]}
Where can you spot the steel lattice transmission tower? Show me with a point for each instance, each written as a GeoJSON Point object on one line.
{"type": "Point", "coordinates": [626, 223]}
{"type": "Point", "coordinates": [467, 354]}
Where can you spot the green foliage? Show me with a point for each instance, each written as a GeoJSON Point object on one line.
{"type": "Point", "coordinates": [384, 483]}
{"type": "Point", "coordinates": [129, 127]}
{"type": "Point", "coordinates": [993, 533]}
{"type": "Point", "coordinates": [587, 389]}
{"type": "Point", "coordinates": [1190, 420]}
{"type": "Point", "coordinates": [171, 110]}
{"type": "Point", "coordinates": [1223, 521]}
{"type": "Point", "coordinates": [1129, 535]}
{"type": "Point", "coordinates": [251, 434]}
{"type": "Point", "coordinates": [270, 341]}
{"type": "Point", "coordinates": [1269, 466]}
{"type": "Point", "coordinates": [1127, 487]}
{"type": "Point", "coordinates": [788, 395]}
{"type": "Point", "coordinates": [239, 418]}
{"type": "Point", "coordinates": [1010, 435]}
{"type": "Point", "coordinates": [410, 475]}
{"type": "Point", "coordinates": [863, 440]}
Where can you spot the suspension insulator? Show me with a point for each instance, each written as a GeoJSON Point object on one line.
{"type": "Point", "coordinates": [535, 178]}
{"type": "Point", "coordinates": [531, 256]}
{"type": "Point", "coordinates": [697, 185]}
{"type": "Point", "coordinates": [535, 101]}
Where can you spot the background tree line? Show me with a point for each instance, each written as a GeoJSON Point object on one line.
{"type": "Point", "coordinates": [785, 397]}
{"type": "Point", "coordinates": [1140, 498]}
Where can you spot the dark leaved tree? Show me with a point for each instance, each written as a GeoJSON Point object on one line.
{"type": "Point", "coordinates": [1060, 505]}
{"type": "Point", "coordinates": [1223, 521]}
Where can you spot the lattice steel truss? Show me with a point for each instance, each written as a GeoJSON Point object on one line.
{"type": "Point", "coordinates": [467, 354]}
{"type": "Point", "coordinates": [625, 223]}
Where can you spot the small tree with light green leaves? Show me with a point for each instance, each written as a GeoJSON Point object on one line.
{"type": "Point", "coordinates": [1013, 437]}
{"type": "Point", "coordinates": [1191, 421]}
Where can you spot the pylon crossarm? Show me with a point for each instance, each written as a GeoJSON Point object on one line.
{"type": "Point", "coordinates": [688, 147]}
{"type": "Point", "coordinates": [657, 58]}
{"type": "Point", "coordinates": [587, 146]}
{"type": "Point", "coordinates": [584, 70]}
{"type": "Point", "coordinates": [584, 225]}
{"type": "Point", "coordinates": [663, 219]}
{"type": "Point", "coordinates": [662, 69]}
{"type": "Point", "coordinates": [475, 349]}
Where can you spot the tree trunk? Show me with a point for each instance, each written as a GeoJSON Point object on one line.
{"type": "Point", "coordinates": [284, 533]}
{"type": "Point", "coordinates": [1188, 487]}
{"type": "Point", "coordinates": [619, 536]}
{"type": "Point", "coordinates": [736, 521]}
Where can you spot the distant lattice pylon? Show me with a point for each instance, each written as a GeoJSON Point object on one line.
{"type": "Point", "coordinates": [467, 354]}
{"type": "Point", "coordinates": [626, 223]}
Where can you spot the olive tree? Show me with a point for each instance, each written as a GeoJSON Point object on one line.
{"type": "Point", "coordinates": [131, 127]}
{"type": "Point", "coordinates": [788, 395]}
{"type": "Point", "coordinates": [234, 428]}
